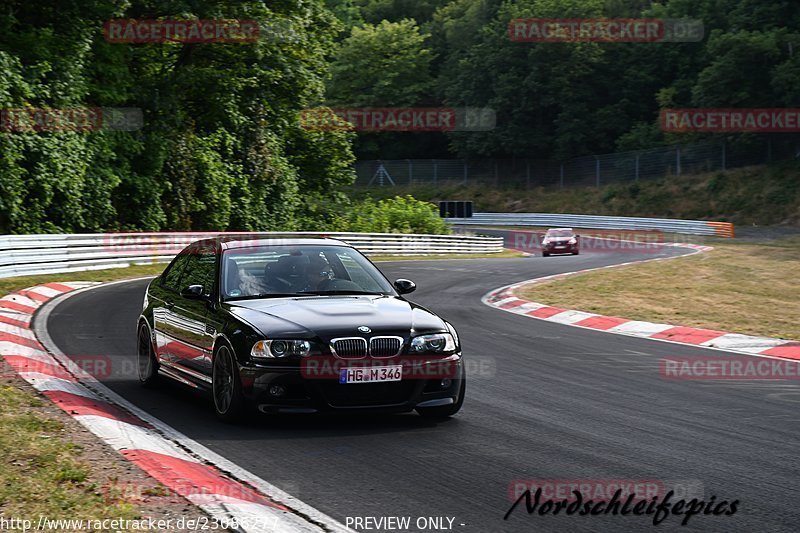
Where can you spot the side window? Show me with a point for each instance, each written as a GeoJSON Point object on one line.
{"type": "Point", "coordinates": [172, 277]}
{"type": "Point", "coordinates": [200, 270]}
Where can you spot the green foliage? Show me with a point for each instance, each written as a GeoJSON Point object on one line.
{"type": "Point", "coordinates": [558, 100]}
{"type": "Point", "coordinates": [399, 214]}
{"type": "Point", "coordinates": [386, 65]}
{"type": "Point", "coordinates": [221, 147]}
{"type": "Point", "coordinates": [374, 11]}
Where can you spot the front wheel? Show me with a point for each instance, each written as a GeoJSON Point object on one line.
{"type": "Point", "coordinates": [576, 252]}
{"type": "Point", "coordinates": [226, 386]}
{"type": "Point", "coordinates": [148, 366]}
{"type": "Point", "coordinates": [446, 411]}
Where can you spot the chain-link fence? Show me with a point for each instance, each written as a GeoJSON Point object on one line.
{"type": "Point", "coordinates": [594, 171]}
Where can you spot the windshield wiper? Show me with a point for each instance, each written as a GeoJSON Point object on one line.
{"type": "Point", "coordinates": [351, 293]}
{"type": "Point", "coordinates": [267, 295]}
{"type": "Point", "coordinates": [270, 295]}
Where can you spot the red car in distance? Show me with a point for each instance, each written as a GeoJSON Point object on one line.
{"type": "Point", "coordinates": [560, 241]}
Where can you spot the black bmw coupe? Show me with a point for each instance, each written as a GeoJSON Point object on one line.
{"type": "Point", "coordinates": [296, 326]}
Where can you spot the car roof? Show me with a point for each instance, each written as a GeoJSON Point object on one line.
{"type": "Point", "coordinates": [229, 242]}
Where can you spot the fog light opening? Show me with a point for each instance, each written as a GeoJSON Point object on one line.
{"type": "Point", "coordinates": [277, 391]}
{"type": "Point", "coordinates": [445, 383]}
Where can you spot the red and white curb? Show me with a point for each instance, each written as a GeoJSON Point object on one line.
{"type": "Point", "coordinates": [505, 300]}
{"type": "Point", "coordinates": [220, 488]}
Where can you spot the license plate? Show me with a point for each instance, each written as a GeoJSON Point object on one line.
{"type": "Point", "coordinates": [378, 374]}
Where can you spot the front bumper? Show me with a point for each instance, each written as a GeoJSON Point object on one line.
{"type": "Point", "coordinates": [560, 249]}
{"type": "Point", "coordinates": [304, 394]}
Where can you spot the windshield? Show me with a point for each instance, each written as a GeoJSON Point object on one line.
{"type": "Point", "coordinates": [559, 233]}
{"type": "Point", "coordinates": [284, 271]}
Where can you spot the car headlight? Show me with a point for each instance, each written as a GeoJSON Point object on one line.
{"type": "Point", "coordinates": [436, 343]}
{"type": "Point", "coordinates": [280, 349]}
{"type": "Point", "coordinates": [545, 242]}
{"type": "Point", "coordinates": [573, 241]}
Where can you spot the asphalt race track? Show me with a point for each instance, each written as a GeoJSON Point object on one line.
{"type": "Point", "coordinates": [554, 402]}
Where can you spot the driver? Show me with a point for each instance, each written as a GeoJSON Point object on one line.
{"type": "Point", "coordinates": [319, 273]}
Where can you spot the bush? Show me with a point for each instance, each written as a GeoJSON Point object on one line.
{"type": "Point", "coordinates": [401, 214]}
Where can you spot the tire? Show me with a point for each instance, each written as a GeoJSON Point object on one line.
{"type": "Point", "coordinates": [226, 387]}
{"type": "Point", "coordinates": [146, 358]}
{"type": "Point", "coordinates": [576, 252]}
{"type": "Point", "coordinates": [445, 411]}
{"type": "Point", "coordinates": [545, 254]}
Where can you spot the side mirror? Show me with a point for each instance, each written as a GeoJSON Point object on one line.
{"type": "Point", "coordinates": [193, 292]}
{"type": "Point", "coordinates": [405, 286]}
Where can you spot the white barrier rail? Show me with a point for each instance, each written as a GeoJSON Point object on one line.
{"type": "Point", "coordinates": [688, 227]}
{"type": "Point", "coordinates": [22, 255]}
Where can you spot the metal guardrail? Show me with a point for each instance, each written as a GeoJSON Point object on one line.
{"type": "Point", "coordinates": [688, 227]}
{"type": "Point", "coordinates": [22, 255]}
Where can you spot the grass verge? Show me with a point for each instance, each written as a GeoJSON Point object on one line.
{"type": "Point", "coordinates": [44, 473]}
{"type": "Point", "coordinates": [739, 287]}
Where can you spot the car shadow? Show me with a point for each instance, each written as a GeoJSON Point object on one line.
{"type": "Point", "coordinates": [192, 412]}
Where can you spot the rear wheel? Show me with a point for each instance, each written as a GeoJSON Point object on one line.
{"type": "Point", "coordinates": [226, 386]}
{"type": "Point", "coordinates": [446, 411]}
{"type": "Point", "coordinates": [148, 366]}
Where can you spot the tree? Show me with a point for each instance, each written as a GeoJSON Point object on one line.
{"type": "Point", "coordinates": [219, 148]}
{"type": "Point", "coordinates": [384, 65]}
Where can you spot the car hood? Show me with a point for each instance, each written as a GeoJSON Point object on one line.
{"type": "Point", "coordinates": [329, 317]}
